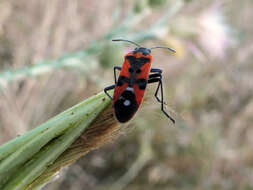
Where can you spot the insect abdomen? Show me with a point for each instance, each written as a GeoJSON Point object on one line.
{"type": "Point", "coordinates": [126, 106]}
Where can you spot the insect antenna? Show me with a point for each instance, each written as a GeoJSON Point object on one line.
{"type": "Point", "coordinates": [117, 40]}
{"type": "Point", "coordinates": [174, 51]}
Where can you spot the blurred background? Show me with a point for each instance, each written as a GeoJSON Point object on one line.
{"type": "Point", "coordinates": [54, 54]}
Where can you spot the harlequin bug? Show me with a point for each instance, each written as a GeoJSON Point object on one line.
{"type": "Point", "coordinates": [132, 81]}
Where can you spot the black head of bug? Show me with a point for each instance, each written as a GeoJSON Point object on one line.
{"type": "Point", "coordinates": [144, 51]}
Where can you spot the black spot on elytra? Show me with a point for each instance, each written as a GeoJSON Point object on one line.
{"type": "Point", "coordinates": [121, 80]}
{"type": "Point", "coordinates": [142, 83]}
{"type": "Point", "coordinates": [125, 113]}
{"type": "Point", "coordinates": [138, 71]}
{"type": "Point", "coordinates": [130, 70]}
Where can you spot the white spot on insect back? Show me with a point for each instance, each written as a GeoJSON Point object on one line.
{"type": "Point", "coordinates": [130, 89]}
{"type": "Point", "coordinates": [127, 102]}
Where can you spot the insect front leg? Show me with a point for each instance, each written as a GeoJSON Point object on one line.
{"type": "Point", "coordinates": [115, 80]}
{"type": "Point", "coordinates": [114, 69]}
{"type": "Point", "coordinates": [158, 79]}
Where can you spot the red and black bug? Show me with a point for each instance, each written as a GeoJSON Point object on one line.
{"type": "Point", "coordinates": [132, 81]}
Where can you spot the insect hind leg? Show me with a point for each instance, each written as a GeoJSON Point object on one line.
{"type": "Point", "coordinates": [160, 86]}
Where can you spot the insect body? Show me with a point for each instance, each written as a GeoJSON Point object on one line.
{"type": "Point", "coordinates": [132, 81]}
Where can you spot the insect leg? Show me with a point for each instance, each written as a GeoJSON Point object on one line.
{"type": "Point", "coordinates": [109, 88]}
{"type": "Point", "coordinates": [156, 70]}
{"type": "Point", "coordinates": [114, 69]}
{"type": "Point", "coordinates": [112, 86]}
{"type": "Point", "coordinates": [160, 85]}
{"type": "Point", "coordinates": [156, 75]}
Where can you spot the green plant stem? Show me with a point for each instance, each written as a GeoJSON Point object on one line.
{"type": "Point", "coordinates": [44, 144]}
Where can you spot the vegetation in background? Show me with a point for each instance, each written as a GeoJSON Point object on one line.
{"type": "Point", "coordinates": [208, 87]}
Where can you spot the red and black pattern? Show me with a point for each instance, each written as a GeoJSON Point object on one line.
{"type": "Point", "coordinates": [132, 81]}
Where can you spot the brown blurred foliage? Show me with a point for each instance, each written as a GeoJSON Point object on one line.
{"type": "Point", "coordinates": [208, 90]}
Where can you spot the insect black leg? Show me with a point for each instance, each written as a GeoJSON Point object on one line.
{"type": "Point", "coordinates": [160, 85]}
{"type": "Point", "coordinates": [112, 86]}
{"type": "Point", "coordinates": [109, 88]}
{"type": "Point", "coordinates": [156, 75]}
{"type": "Point", "coordinates": [114, 69]}
{"type": "Point", "coordinates": [156, 70]}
